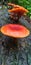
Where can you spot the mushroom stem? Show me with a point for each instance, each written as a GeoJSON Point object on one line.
{"type": "Point", "coordinates": [15, 43]}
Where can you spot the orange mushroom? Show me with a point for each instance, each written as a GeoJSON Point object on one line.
{"type": "Point", "coordinates": [18, 7]}
{"type": "Point", "coordinates": [19, 10]}
{"type": "Point", "coordinates": [14, 30]}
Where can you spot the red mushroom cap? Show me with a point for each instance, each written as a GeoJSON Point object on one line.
{"type": "Point", "coordinates": [14, 30]}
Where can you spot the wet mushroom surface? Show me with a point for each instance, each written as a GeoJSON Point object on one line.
{"type": "Point", "coordinates": [14, 54]}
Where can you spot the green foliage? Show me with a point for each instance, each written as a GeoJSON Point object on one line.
{"type": "Point", "coordinates": [26, 4]}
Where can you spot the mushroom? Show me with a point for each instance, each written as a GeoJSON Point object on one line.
{"type": "Point", "coordinates": [19, 10]}
{"type": "Point", "coordinates": [15, 30]}
{"type": "Point", "coordinates": [17, 13]}
{"type": "Point", "coordinates": [18, 7]}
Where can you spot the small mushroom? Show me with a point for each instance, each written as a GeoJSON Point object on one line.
{"type": "Point", "coordinates": [19, 10]}
{"type": "Point", "coordinates": [16, 7]}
